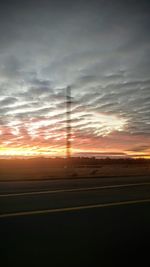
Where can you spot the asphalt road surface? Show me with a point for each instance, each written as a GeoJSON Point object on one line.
{"type": "Point", "coordinates": [77, 222]}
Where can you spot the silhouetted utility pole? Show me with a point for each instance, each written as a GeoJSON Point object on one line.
{"type": "Point", "coordinates": [68, 120]}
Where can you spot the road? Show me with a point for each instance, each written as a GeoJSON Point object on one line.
{"type": "Point", "coordinates": [75, 222]}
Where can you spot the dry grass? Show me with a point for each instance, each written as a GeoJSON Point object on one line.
{"type": "Point", "coordinates": [48, 172]}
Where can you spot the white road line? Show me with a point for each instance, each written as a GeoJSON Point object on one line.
{"type": "Point", "coordinates": [70, 209]}
{"type": "Point", "coordinates": [72, 190]}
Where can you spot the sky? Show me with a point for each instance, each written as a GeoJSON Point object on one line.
{"type": "Point", "coordinates": [101, 49]}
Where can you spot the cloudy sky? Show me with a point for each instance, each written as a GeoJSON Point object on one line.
{"type": "Point", "coordinates": [99, 48]}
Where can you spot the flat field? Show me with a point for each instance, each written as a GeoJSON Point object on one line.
{"type": "Point", "coordinates": [41, 170]}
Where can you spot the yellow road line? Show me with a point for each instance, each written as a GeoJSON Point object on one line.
{"type": "Point", "coordinates": [71, 190]}
{"type": "Point", "coordinates": [69, 209]}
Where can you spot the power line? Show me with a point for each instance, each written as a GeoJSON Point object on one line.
{"type": "Point", "coordinates": [68, 122]}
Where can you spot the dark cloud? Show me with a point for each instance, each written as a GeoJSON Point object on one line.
{"type": "Point", "coordinates": [7, 101]}
{"type": "Point", "coordinates": [140, 148]}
